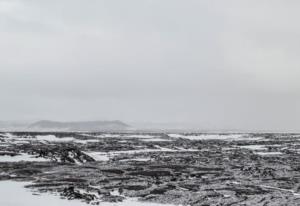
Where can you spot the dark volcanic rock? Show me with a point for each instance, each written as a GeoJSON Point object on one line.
{"type": "Point", "coordinates": [212, 172]}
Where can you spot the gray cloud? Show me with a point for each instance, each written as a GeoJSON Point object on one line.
{"type": "Point", "coordinates": [215, 64]}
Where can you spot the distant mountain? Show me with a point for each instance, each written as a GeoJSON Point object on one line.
{"type": "Point", "coordinates": [46, 125]}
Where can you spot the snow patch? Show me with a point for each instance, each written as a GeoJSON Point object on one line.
{"type": "Point", "coordinates": [156, 140]}
{"type": "Point", "coordinates": [254, 147]}
{"type": "Point", "coordinates": [22, 157]}
{"type": "Point", "coordinates": [53, 138]}
{"type": "Point", "coordinates": [269, 153]}
{"type": "Point", "coordinates": [230, 137]}
{"type": "Point", "coordinates": [25, 198]}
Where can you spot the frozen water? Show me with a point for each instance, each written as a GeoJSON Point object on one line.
{"type": "Point", "coordinates": [14, 194]}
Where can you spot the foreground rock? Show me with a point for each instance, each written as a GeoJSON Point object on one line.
{"type": "Point", "coordinates": [253, 170]}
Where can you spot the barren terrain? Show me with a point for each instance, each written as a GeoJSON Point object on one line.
{"type": "Point", "coordinates": [155, 168]}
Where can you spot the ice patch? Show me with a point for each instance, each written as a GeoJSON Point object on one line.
{"type": "Point", "coordinates": [22, 157]}
{"type": "Point", "coordinates": [259, 147]}
{"type": "Point", "coordinates": [139, 136]}
{"type": "Point", "coordinates": [14, 194]}
{"type": "Point", "coordinates": [156, 140]}
{"type": "Point", "coordinates": [137, 159]}
{"type": "Point", "coordinates": [229, 137]}
{"type": "Point", "coordinates": [208, 136]}
{"type": "Point", "coordinates": [254, 147]}
{"type": "Point", "coordinates": [53, 138]}
{"type": "Point", "coordinates": [281, 189]}
{"type": "Point", "coordinates": [98, 156]}
{"type": "Point", "coordinates": [124, 136]}
{"type": "Point", "coordinates": [106, 156]}
{"type": "Point", "coordinates": [269, 153]}
{"type": "Point", "coordinates": [9, 135]}
{"type": "Point", "coordinates": [24, 197]}
{"type": "Point", "coordinates": [108, 136]}
{"type": "Point", "coordinates": [86, 141]}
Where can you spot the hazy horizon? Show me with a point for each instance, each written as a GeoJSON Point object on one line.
{"type": "Point", "coordinates": [204, 64]}
{"type": "Point", "coordinates": [18, 125]}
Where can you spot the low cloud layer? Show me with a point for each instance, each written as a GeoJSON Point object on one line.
{"type": "Point", "coordinates": [209, 64]}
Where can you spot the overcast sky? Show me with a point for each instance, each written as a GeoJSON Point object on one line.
{"type": "Point", "coordinates": [219, 64]}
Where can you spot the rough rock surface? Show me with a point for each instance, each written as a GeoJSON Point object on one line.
{"type": "Point", "coordinates": [256, 169]}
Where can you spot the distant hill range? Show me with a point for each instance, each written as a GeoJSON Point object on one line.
{"type": "Point", "coordinates": [46, 125]}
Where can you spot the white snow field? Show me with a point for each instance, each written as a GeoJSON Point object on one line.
{"type": "Point", "coordinates": [14, 194]}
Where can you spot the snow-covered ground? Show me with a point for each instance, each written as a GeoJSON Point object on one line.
{"type": "Point", "coordinates": [142, 137]}
{"type": "Point", "coordinates": [215, 137]}
{"type": "Point", "coordinates": [106, 156]}
{"type": "Point", "coordinates": [13, 139]}
{"type": "Point", "coordinates": [269, 153]}
{"type": "Point", "coordinates": [53, 138]}
{"type": "Point", "coordinates": [14, 194]}
{"type": "Point", "coordinates": [22, 157]}
{"type": "Point", "coordinates": [156, 140]}
{"type": "Point", "coordinates": [254, 147]}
